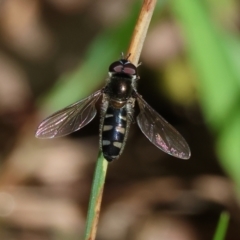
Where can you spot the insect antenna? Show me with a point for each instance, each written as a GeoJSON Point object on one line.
{"type": "Point", "coordinates": [125, 58]}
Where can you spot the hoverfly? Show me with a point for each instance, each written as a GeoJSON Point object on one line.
{"type": "Point", "coordinates": [118, 100]}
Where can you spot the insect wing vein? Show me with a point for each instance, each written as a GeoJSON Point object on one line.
{"type": "Point", "coordinates": [160, 132]}
{"type": "Point", "coordinates": [69, 119]}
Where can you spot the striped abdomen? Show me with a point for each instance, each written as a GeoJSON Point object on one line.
{"type": "Point", "coordinates": [114, 132]}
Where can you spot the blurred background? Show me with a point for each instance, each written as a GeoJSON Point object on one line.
{"type": "Point", "coordinates": [55, 52]}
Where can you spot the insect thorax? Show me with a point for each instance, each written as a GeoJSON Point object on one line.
{"type": "Point", "coordinates": [119, 88]}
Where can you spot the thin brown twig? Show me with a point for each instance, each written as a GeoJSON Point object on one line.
{"type": "Point", "coordinates": [140, 31]}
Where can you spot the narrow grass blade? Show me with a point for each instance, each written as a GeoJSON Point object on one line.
{"type": "Point", "coordinates": [222, 226]}
{"type": "Point", "coordinates": [96, 198]}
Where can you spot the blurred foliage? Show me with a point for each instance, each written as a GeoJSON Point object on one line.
{"type": "Point", "coordinates": [178, 83]}
{"type": "Point", "coordinates": [213, 52]}
{"type": "Point", "coordinates": [222, 226]}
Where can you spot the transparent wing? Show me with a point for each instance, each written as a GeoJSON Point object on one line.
{"type": "Point", "coordinates": [69, 119]}
{"type": "Point", "coordinates": [160, 132]}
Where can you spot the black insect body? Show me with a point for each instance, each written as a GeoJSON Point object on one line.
{"type": "Point", "coordinates": [114, 132]}
{"type": "Point", "coordinates": [118, 102]}
{"type": "Point", "coordinates": [117, 113]}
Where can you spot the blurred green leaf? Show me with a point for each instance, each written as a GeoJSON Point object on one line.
{"type": "Point", "coordinates": [228, 146]}
{"type": "Point", "coordinates": [222, 226]}
{"type": "Point", "coordinates": [218, 87]}
{"type": "Point", "coordinates": [215, 55]}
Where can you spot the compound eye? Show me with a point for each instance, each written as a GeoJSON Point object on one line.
{"type": "Point", "coordinates": [130, 69]}
{"type": "Point", "coordinates": [116, 67]}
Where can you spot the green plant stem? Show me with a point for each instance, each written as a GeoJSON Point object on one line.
{"type": "Point", "coordinates": [96, 197]}
{"type": "Point", "coordinates": [135, 49]}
